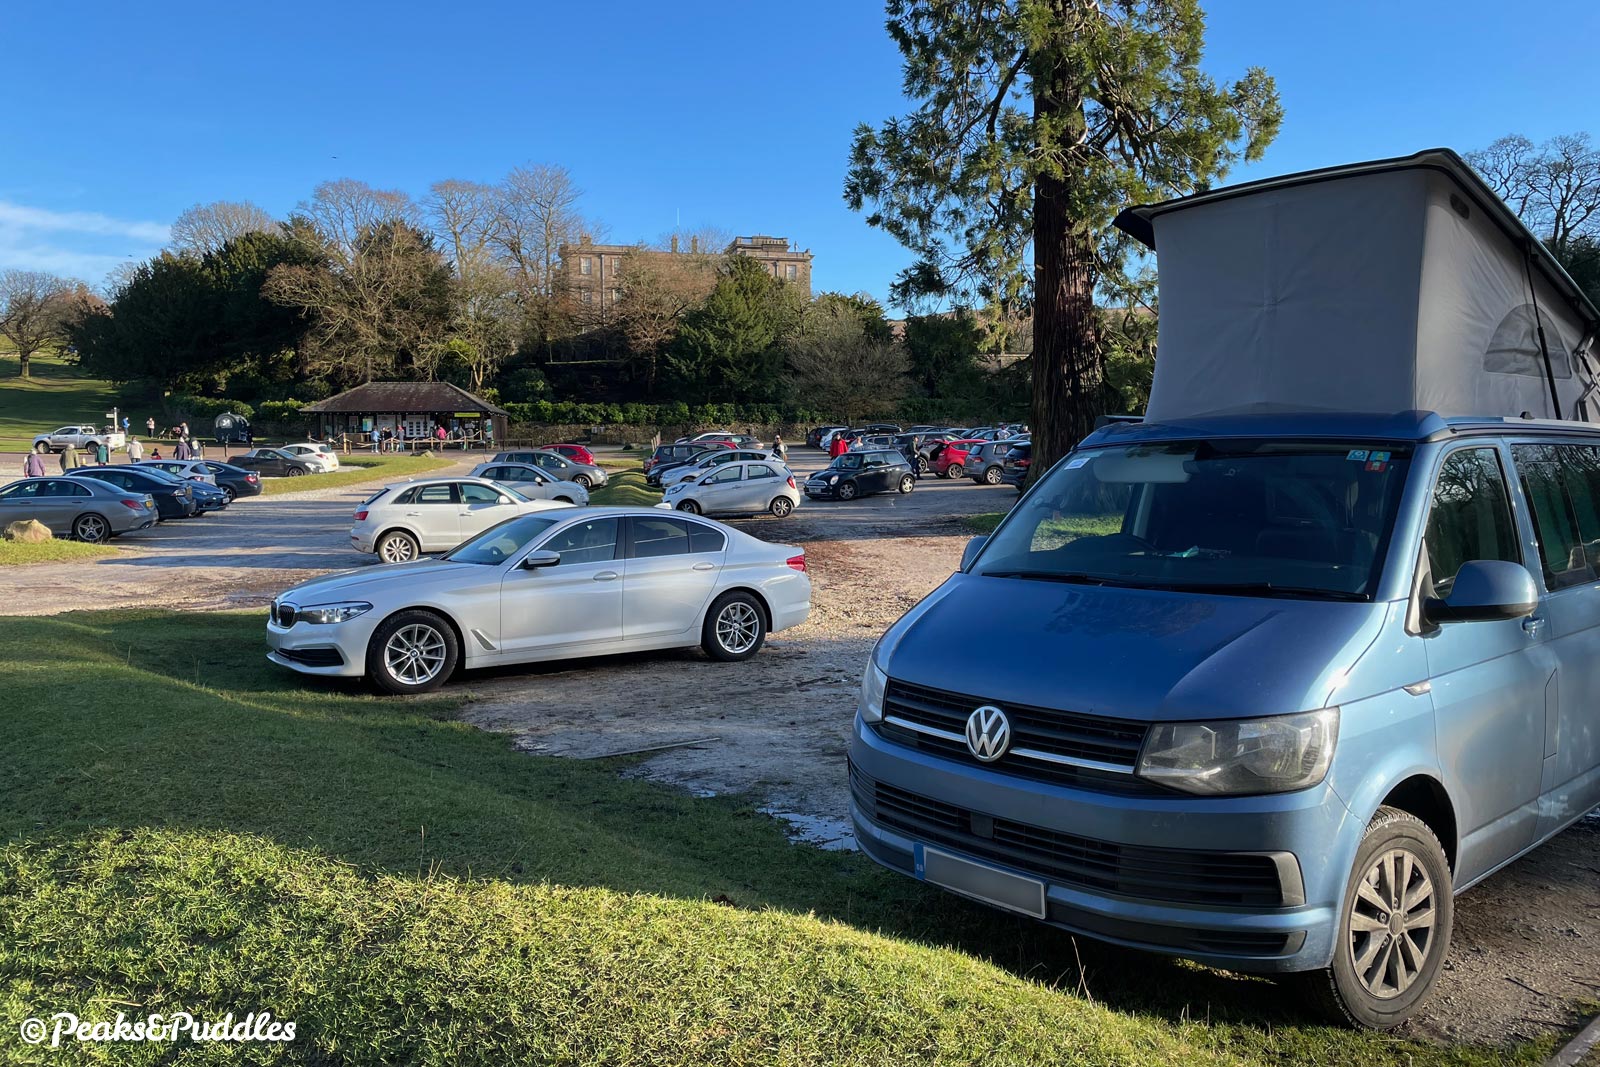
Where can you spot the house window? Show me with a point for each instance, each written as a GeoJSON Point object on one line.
{"type": "Point", "coordinates": [585, 265]}
{"type": "Point", "coordinates": [586, 296]}
{"type": "Point", "coordinates": [791, 271]}
{"type": "Point", "coordinates": [616, 296]}
{"type": "Point", "coordinates": [616, 266]}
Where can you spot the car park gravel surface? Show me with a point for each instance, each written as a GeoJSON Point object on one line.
{"type": "Point", "coordinates": [1527, 941]}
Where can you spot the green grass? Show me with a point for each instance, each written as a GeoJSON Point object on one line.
{"type": "Point", "coordinates": [354, 470]}
{"type": "Point", "coordinates": [56, 394]}
{"type": "Point", "coordinates": [184, 827]}
{"type": "Point", "coordinates": [13, 553]}
{"type": "Point", "coordinates": [1051, 533]}
{"type": "Point", "coordinates": [626, 488]}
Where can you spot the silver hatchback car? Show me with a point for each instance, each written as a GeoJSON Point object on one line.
{"type": "Point", "coordinates": [1278, 687]}
{"type": "Point", "coordinates": [739, 488]}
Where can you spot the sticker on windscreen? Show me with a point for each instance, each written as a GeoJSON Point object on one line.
{"type": "Point", "coordinates": [1357, 455]}
{"type": "Point", "coordinates": [1076, 462]}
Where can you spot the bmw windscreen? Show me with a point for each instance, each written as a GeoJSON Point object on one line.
{"type": "Point", "coordinates": [1246, 517]}
{"type": "Point", "coordinates": [499, 543]}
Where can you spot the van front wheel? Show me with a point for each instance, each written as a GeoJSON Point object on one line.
{"type": "Point", "coordinates": [1394, 927]}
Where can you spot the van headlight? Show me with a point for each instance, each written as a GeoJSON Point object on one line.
{"type": "Point", "coordinates": [329, 613]}
{"type": "Point", "coordinates": [873, 683]}
{"type": "Point", "coordinates": [1242, 756]}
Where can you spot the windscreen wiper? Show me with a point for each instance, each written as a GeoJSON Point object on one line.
{"type": "Point", "coordinates": [1263, 589]}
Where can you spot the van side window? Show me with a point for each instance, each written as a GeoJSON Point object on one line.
{"type": "Point", "coordinates": [1471, 516]}
{"type": "Point", "coordinates": [1562, 483]}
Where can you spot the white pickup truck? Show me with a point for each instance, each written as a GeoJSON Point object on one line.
{"type": "Point", "coordinates": [81, 437]}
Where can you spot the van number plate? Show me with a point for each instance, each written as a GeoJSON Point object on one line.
{"type": "Point", "coordinates": [980, 881]}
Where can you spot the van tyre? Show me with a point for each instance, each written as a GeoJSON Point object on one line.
{"type": "Point", "coordinates": [780, 507]}
{"type": "Point", "coordinates": [412, 652]}
{"type": "Point", "coordinates": [735, 627]}
{"type": "Point", "coordinates": [1394, 927]}
{"type": "Point", "coordinates": [397, 546]}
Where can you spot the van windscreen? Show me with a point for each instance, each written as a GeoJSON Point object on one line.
{"type": "Point", "coordinates": [1256, 517]}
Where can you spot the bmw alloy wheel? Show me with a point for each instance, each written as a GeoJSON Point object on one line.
{"type": "Point", "coordinates": [738, 627]}
{"type": "Point", "coordinates": [414, 654]}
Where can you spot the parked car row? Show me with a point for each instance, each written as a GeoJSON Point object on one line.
{"type": "Point", "coordinates": [98, 503]}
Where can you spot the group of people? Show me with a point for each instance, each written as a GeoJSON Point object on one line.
{"type": "Point", "coordinates": [187, 447]}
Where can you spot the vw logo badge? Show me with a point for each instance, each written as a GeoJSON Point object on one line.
{"type": "Point", "coordinates": [988, 733]}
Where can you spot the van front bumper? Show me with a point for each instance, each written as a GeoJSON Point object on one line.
{"type": "Point", "coordinates": [1246, 883]}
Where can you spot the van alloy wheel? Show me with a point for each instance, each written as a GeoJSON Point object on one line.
{"type": "Point", "coordinates": [1392, 923]}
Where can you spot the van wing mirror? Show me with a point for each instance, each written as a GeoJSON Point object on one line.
{"type": "Point", "coordinates": [535, 560]}
{"type": "Point", "coordinates": [974, 546]}
{"type": "Point", "coordinates": [1485, 590]}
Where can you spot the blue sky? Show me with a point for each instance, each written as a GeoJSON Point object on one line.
{"type": "Point", "coordinates": [730, 113]}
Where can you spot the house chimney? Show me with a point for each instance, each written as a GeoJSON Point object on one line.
{"type": "Point", "coordinates": [583, 239]}
{"type": "Point", "coordinates": [694, 244]}
{"type": "Point", "coordinates": [674, 243]}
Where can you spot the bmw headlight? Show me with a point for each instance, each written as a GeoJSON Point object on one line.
{"type": "Point", "coordinates": [326, 613]}
{"type": "Point", "coordinates": [1242, 756]}
{"type": "Point", "coordinates": [873, 683]}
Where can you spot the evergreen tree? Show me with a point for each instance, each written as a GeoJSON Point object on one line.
{"type": "Point", "coordinates": [728, 349]}
{"type": "Point", "coordinates": [1037, 120]}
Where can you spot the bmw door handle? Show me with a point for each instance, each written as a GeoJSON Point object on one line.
{"type": "Point", "coordinates": [606, 576]}
{"type": "Point", "coordinates": [705, 566]}
{"type": "Point", "coordinates": [1532, 625]}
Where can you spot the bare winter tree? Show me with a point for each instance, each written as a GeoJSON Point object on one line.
{"type": "Point", "coordinates": [658, 290]}
{"type": "Point", "coordinates": [35, 309]}
{"type": "Point", "coordinates": [840, 369]}
{"type": "Point", "coordinates": [463, 217]}
{"type": "Point", "coordinates": [1554, 187]}
{"type": "Point", "coordinates": [536, 213]}
{"type": "Point", "coordinates": [207, 227]}
{"type": "Point", "coordinates": [344, 210]}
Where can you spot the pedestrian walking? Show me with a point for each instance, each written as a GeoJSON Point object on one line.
{"type": "Point", "coordinates": [33, 463]}
{"type": "Point", "coordinates": [777, 447]}
{"type": "Point", "coordinates": [150, 426]}
{"type": "Point", "coordinates": [838, 446]}
{"type": "Point", "coordinates": [102, 453]}
{"type": "Point", "coordinates": [69, 458]}
{"type": "Point", "coordinates": [135, 450]}
{"type": "Point", "coordinates": [181, 449]}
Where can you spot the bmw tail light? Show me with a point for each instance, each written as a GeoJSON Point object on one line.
{"type": "Point", "coordinates": [797, 563]}
{"type": "Point", "coordinates": [361, 516]}
{"type": "Point", "coordinates": [251, 477]}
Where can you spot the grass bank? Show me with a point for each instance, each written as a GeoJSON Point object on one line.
{"type": "Point", "coordinates": [354, 470]}
{"type": "Point", "coordinates": [56, 393]}
{"type": "Point", "coordinates": [625, 488]}
{"type": "Point", "coordinates": [186, 828]}
{"type": "Point", "coordinates": [15, 553]}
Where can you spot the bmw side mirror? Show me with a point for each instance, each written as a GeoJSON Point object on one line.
{"type": "Point", "coordinates": [1485, 590]}
{"type": "Point", "coordinates": [974, 546]}
{"type": "Point", "coordinates": [534, 560]}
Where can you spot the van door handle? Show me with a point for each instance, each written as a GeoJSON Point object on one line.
{"type": "Point", "coordinates": [705, 566]}
{"type": "Point", "coordinates": [1532, 625]}
{"type": "Point", "coordinates": [606, 576]}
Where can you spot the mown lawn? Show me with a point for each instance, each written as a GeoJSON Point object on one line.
{"type": "Point", "coordinates": [13, 553]}
{"type": "Point", "coordinates": [184, 827]}
{"type": "Point", "coordinates": [56, 394]}
{"type": "Point", "coordinates": [356, 469]}
{"type": "Point", "coordinates": [625, 488]}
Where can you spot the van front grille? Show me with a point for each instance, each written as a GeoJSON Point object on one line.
{"type": "Point", "coordinates": [1180, 876]}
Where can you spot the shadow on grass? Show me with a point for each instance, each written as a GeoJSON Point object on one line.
{"type": "Point", "coordinates": [133, 719]}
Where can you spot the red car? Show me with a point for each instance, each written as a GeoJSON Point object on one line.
{"type": "Point", "coordinates": [952, 458]}
{"type": "Point", "coordinates": [576, 453]}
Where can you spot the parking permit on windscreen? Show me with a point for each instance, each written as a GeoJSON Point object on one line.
{"type": "Point", "coordinates": [1076, 462]}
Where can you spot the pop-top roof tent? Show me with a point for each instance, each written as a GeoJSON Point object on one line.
{"type": "Point", "coordinates": [1397, 285]}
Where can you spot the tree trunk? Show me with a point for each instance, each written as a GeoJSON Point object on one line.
{"type": "Point", "coordinates": [23, 356]}
{"type": "Point", "coordinates": [1068, 366]}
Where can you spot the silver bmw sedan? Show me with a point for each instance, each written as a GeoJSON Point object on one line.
{"type": "Point", "coordinates": [556, 584]}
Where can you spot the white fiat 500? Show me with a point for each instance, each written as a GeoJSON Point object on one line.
{"type": "Point", "coordinates": [554, 585]}
{"type": "Point", "coordinates": [407, 519]}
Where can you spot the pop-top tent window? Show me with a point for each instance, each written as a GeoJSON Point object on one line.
{"type": "Point", "coordinates": [1399, 285]}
